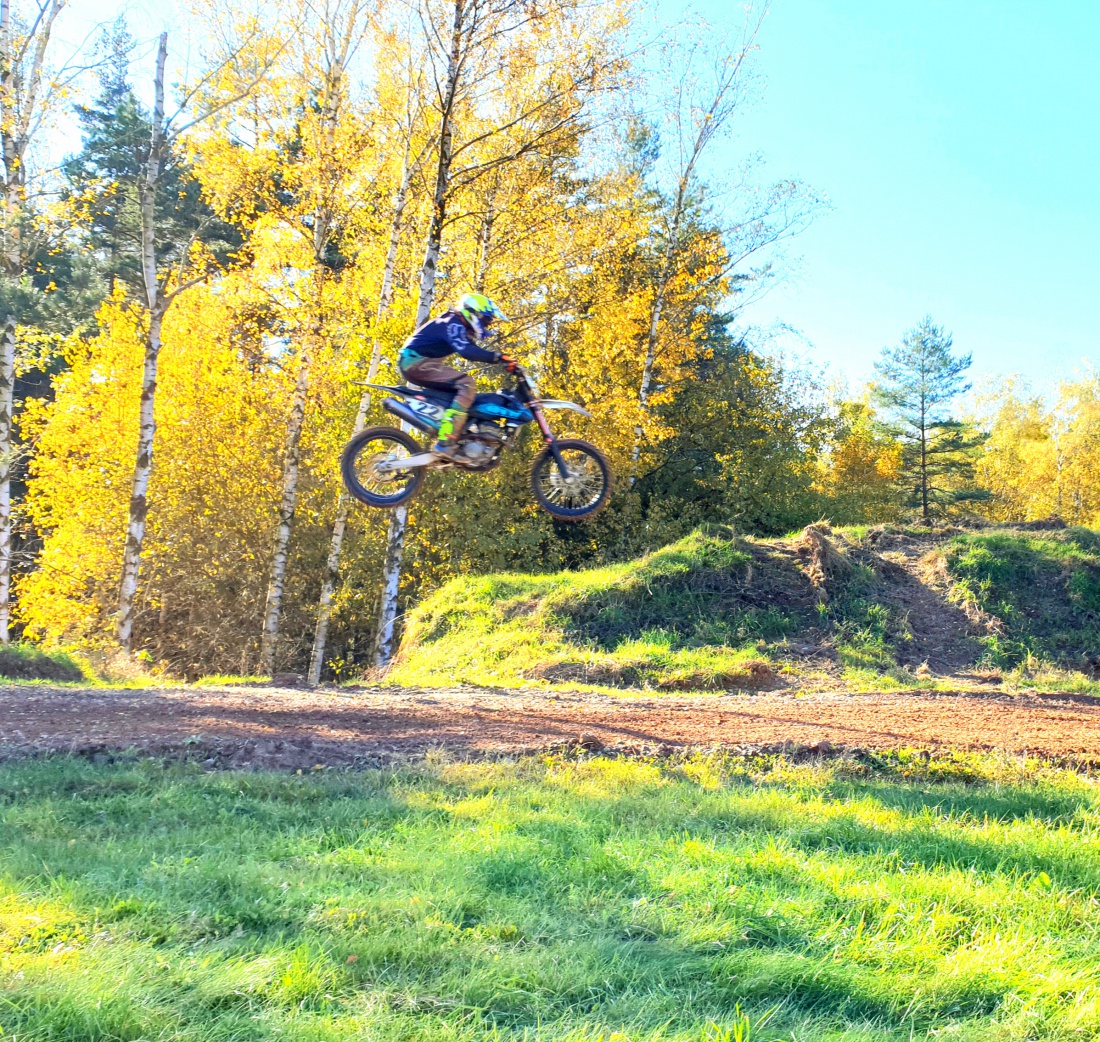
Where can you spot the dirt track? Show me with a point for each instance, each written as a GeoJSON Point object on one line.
{"type": "Point", "coordinates": [287, 729]}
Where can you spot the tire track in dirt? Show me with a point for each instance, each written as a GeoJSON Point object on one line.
{"type": "Point", "coordinates": [283, 728]}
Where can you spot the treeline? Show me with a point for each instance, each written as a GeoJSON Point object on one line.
{"type": "Point", "coordinates": [193, 302]}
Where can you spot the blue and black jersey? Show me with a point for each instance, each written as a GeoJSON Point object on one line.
{"type": "Point", "coordinates": [446, 335]}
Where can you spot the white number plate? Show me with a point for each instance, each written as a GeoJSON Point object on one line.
{"type": "Point", "coordinates": [425, 410]}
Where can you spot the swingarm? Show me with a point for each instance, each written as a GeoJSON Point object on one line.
{"type": "Point", "coordinates": [421, 459]}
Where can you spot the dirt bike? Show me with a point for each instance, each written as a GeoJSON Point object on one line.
{"type": "Point", "coordinates": [385, 467]}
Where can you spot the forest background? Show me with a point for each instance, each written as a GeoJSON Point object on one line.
{"type": "Point", "coordinates": [194, 296]}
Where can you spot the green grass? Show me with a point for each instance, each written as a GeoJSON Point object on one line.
{"type": "Point", "coordinates": [1043, 588]}
{"type": "Point", "coordinates": [655, 622]}
{"type": "Point", "coordinates": [27, 662]}
{"type": "Point", "coordinates": [551, 899]}
{"type": "Point", "coordinates": [230, 680]}
{"type": "Point", "coordinates": [707, 612]}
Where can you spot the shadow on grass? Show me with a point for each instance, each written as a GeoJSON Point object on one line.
{"type": "Point", "coordinates": [516, 898]}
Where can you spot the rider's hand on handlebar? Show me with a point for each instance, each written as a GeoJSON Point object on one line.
{"type": "Point", "coordinates": [508, 362]}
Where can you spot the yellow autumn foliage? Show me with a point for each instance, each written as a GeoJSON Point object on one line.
{"type": "Point", "coordinates": [1042, 459]}
{"type": "Point", "coordinates": [860, 471]}
{"type": "Point", "coordinates": [214, 486]}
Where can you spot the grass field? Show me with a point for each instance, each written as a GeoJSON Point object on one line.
{"type": "Point", "coordinates": [575, 900]}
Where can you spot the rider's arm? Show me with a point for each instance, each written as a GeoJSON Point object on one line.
{"type": "Point", "coordinates": [461, 344]}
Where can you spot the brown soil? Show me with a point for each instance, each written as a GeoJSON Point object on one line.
{"type": "Point", "coordinates": [284, 729]}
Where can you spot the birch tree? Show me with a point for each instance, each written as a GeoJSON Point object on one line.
{"type": "Point", "coordinates": [27, 95]}
{"type": "Point", "coordinates": [168, 269]}
{"type": "Point", "coordinates": [702, 98]}
{"type": "Point", "coordinates": [510, 80]}
{"type": "Point", "coordinates": [296, 170]}
{"type": "Point", "coordinates": [339, 28]}
{"type": "Point", "coordinates": [408, 134]}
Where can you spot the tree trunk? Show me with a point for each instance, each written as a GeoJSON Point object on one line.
{"type": "Point", "coordinates": [328, 586]}
{"type": "Point", "coordinates": [143, 469]}
{"type": "Point", "coordinates": [647, 374]}
{"type": "Point", "coordinates": [338, 53]}
{"type": "Point", "coordinates": [7, 458]}
{"type": "Point", "coordinates": [1058, 471]}
{"type": "Point", "coordinates": [332, 564]}
{"type": "Point", "coordinates": [287, 506]}
{"type": "Point", "coordinates": [395, 535]}
{"type": "Point", "coordinates": [339, 528]}
{"type": "Point", "coordinates": [11, 259]}
{"type": "Point", "coordinates": [653, 334]}
{"type": "Point", "coordinates": [430, 268]}
{"type": "Point", "coordinates": [714, 115]}
{"type": "Point", "coordinates": [19, 115]}
{"type": "Point", "coordinates": [924, 462]}
{"type": "Point", "coordinates": [485, 238]}
{"type": "Point", "coordinates": [391, 580]}
{"type": "Point", "coordinates": [139, 504]}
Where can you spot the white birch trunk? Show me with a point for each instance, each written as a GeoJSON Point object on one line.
{"type": "Point", "coordinates": [11, 259]}
{"type": "Point", "coordinates": [19, 116]}
{"type": "Point", "coordinates": [7, 457]}
{"type": "Point", "coordinates": [395, 535]}
{"type": "Point", "coordinates": [158, 298]}
{"type": "Point", "coordinates": [287, 506]}
{"type": "Point", "coordinates": [339, 528]}
{"type": "Point", "coordinates": [647, 375]}
{"type": "Point", "coordinates": [139, 493]}
{"type": "Point", "coordinates": [668, 263]}
{"type": "Point", "coordinates": [143, 466]}
{"type": "Point", "coordinates": [338, 51]}
{"type": "Point", "coordinates": [328, 586]}
{"type": "Point", "coordinates": [485, 238]}
{"type": "Point", "coordinates": [654, 332]}
{"type": "Point", "coordinates": [391, 581]}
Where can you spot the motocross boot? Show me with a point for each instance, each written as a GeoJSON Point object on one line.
{"type": "Point", "coordinates": [449, 432]}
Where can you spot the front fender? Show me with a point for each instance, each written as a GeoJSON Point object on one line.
{"type": "Point", "coordinates": [552, 403]}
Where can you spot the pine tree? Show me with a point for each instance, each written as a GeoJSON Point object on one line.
{"type": "Point", "coordinates": [916, 383]}
{"type": "Point", "coordinates": [104, 182]}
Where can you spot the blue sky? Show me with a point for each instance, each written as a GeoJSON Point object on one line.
{"type": "Point", "coordinates": [959, 145]}
{"type": "Point", "coordinates": [958, 142]}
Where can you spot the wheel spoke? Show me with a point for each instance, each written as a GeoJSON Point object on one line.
{"type": "Point", "coordinates": [583, 486]}
{"type": "Point", "coordinates": [375, 481]}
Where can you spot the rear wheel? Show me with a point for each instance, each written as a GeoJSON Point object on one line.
{"type": "Point", "coordinates": [581, 493]}
{"type": "Point", "coordinates": [359, 467]}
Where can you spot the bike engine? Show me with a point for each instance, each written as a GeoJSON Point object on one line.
{"type": "Point", "coordinates": [481, 445]}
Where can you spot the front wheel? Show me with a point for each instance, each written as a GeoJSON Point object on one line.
{"type": "Point", "coordinates": [359, 467]}
{"type": "Point", "coordinates": [580, 493]}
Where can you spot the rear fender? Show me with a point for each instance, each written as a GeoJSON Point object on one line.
{"type": "Point", "coordinates": [380, 387]}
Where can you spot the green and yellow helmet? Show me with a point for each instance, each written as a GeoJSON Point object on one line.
{"type": "Point", "coordinates": [479, 312]}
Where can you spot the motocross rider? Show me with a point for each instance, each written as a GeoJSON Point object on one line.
{"type": "Point", "coordinates": [458, 331]}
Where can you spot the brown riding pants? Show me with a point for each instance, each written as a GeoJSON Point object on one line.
{"type": "Point", "coordinates": [434, 373]}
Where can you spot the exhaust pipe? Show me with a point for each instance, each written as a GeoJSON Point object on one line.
{"type": "Point", "coordinates": [403, 412]}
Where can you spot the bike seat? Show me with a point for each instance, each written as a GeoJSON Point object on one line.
{"type": "Point", "coordinates": [428, 393]}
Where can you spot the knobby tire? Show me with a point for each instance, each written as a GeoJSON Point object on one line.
{"type": "Point", "coordinates": [355, 488]}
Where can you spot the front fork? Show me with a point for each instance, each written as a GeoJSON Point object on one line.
{"type": "Point", "coordinates": [548, 434]}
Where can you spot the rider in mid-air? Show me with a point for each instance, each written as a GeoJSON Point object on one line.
{"type": "Point", "coordinates": [458, 331]}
